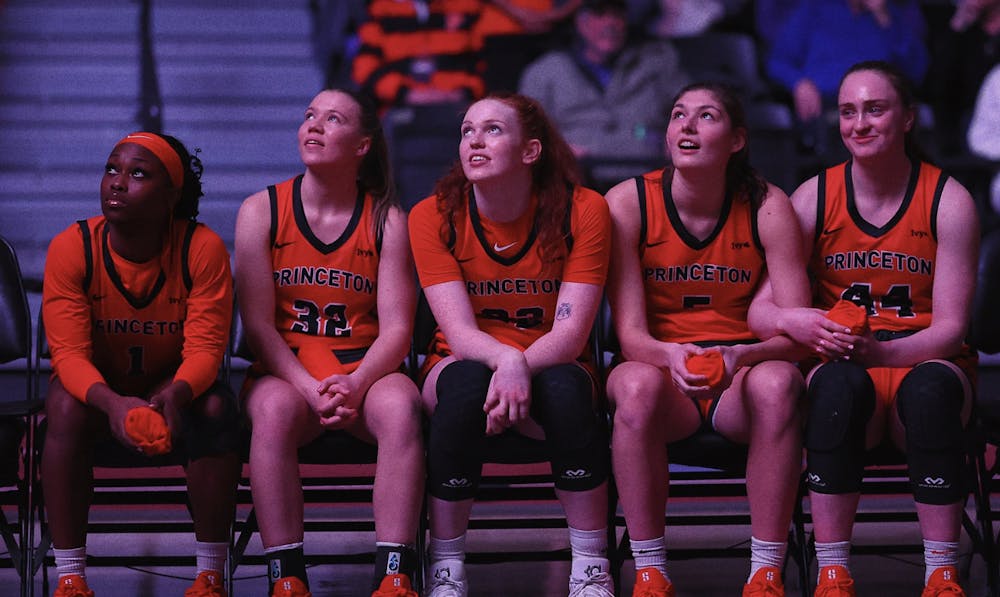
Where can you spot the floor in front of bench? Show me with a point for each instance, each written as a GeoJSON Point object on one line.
{"type": "Point", "coordinates": [884, 574]}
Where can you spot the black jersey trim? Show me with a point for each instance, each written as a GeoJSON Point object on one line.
{"type": "Point", "coordinates": [820, 205]}
{"type": "Point", "coordinates": [109, 265]}
{"type": "Point", "coordinates": [640, 188]}
{"type": "Point", "coordinates": [477, 228]}
{"type": "Point", "coordinates": [755, 229]}
{"type": "Point", "coordinates": [864, 225]}
{"type": "Point", "coordinates": [682, 231]}
{"type": "Point", "coordinates": [88, 254]}
{"type": "Point", "coordinates": [936, 202]}
{"type": "Point", "coordinates": [303, 224]}
{"type": "Point", "coordinates": [272, 200]}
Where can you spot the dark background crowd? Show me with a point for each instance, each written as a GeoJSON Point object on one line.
{"type": "Point", "coordinates": [606, 70]}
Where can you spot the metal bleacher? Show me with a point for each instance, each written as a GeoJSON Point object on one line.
{"type": "Point", "coordinates": [71, 76]}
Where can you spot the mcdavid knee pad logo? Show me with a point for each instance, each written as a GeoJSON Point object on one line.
{"type": "Point", "coordinates": [576, 474]}
{"type": "Point", "coordinates": [934, 483]}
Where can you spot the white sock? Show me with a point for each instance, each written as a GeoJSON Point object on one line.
{"type": "Point", "coordinates": [837, 553]}
{"type": "Point", "coordinates": [650, 553]}
{"type": "Point", "coordinates": [211, 556]}
{"type": "Point", "coordinates": [938, 554]}
{"type": "Point", "coordinates": [765, 553]}
{"type": "Point", "coordinates": [275, 548]}
{"type": "Point", "coordinates": [589, 549]}
{"type": "Point", "coordinates": [71, 561]}
{"type": "Point", "coordinates": [446, 554]}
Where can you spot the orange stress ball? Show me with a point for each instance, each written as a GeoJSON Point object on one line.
{"type": "Point", "coordinates": [148, 429]}
{"type": "Point", "coordinates": [710, 364]}
{"type": "Point", "coordinates": [849, 315]}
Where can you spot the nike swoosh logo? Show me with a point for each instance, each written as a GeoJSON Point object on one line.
{"type": "Point", "coordinates": [498, 248]}
{"type": "Point", "coordinates": [832, 230]}
{"type": "Point", "coordinates": [656, 244]}
{"type": "Point", "coordinates": [283, 245]}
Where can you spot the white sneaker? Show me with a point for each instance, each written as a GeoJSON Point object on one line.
{"type": "Point", "coordinates": [597, 584]}
{"type": "Point", "coordinates": [446, 581]}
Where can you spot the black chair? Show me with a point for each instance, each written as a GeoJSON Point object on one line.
{"type": "Point", "coordinates": [423, 144]}
{"type": "Point", "coordinates": [705, 465]}
{"type": "Point", "coordinates": [18, 410]}
{"type": "Point", "coordinates": [984, 333]}
{"type": "Point", "coordinates": [773, 143]}
{"type": "Point", "coordinates": [727, 57]}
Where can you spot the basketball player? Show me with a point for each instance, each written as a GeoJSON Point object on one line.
{"type": "Point", "coordinates": [512, 256]}
{"type": "Point", "coordinates": [137, 304]}
{"type": "Point", "coordinates": [326, 290]}
{"type": "Point", "coordinates": [892, 233]}
{"type": "Point", "coordinates": [693, 242]}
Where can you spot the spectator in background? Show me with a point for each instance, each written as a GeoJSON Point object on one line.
{"type": "Point", "coordinates": [516, 32]}
{"type": "Point", "coordinates": [984, 130]}
{"type": "Point", "coordinates": [822, 38]}
{"type": "Point", "coordinates": [421, 52]}
{"type": "Point", "coordinates": [609, 96]}
{"type": "Point", "coordinates": [963, 44]}
{"type": "Point", "coordinates": [680, 18]}
{"type": "Point", "coordinates": [769, 17]}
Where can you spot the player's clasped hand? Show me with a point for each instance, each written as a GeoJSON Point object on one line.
{"type": "Point", "coordinates": [508, 399]}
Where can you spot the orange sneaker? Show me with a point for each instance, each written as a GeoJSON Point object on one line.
{"type": "Point", "coordinates": [395, 585]}
{"type": "Point", "coordinates": [290, 586]}
{"type": "Point", "coordinates": [943, 583]}
{"type": "Point", "coordinates": [72, 585]}
{"type": "Point", "coordinates": [834, 581]}
{"type": "Point", "coordinates": [766, 582]}
{"type": "Point", "coordinates": [207, 584]}
{"type": "Point", "coordinates": [650, 583]}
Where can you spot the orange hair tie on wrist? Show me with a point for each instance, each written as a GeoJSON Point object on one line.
{"type": "Point", "coordinates": [161, 149]}
{"type": "Point", "coordinates": [710, 364]}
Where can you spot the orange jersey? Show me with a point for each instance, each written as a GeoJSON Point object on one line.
{"type": "Point", "coordinates": [513, 295]}
{"type": "Point", "coordinates": [887, 270]}
{"type": "Point", "coordinates": [325, 295]}
{"type": "Point", "coordinates": [134, 325]}
{"type": "Point", "coordinates": [697, 290]}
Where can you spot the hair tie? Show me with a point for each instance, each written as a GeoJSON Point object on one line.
{"type": "Point", "coordinates": [168, 156]}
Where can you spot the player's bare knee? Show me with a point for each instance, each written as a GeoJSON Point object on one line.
{"type": "Point", "coordinates": [776, 393]}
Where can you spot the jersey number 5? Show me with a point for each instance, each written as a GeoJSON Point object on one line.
{"type": "Point", "coordinates": [330, 322]}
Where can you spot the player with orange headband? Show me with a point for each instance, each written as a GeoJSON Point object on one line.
{"type": "Point", "coordinates": [137, 304]}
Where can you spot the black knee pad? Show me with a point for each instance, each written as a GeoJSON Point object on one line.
{"type": "Point", "coordinates": [458, 431]}
{"type": "Point", "coordinates": [212, 436]}
{"type": "Point", "coordinates": [841, 399]}
{"type": "Point", "coordinates": [577, 439]}
{"type": "Point", "coordinates": [929, 402]}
